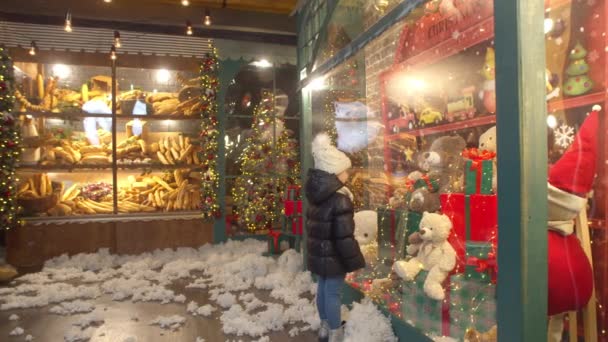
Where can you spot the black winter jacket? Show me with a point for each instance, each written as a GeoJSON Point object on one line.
{"type": "Point", "coordinates": [332, 248]}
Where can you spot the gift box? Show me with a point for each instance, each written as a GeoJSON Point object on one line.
{"type": "Point", "coordinates": [472, 305]}
{"type": "Point", "coordinates": [279, 242]}
{"type": "Point", "coordinates": [292, 193]}
{"type": "Point", "coordinates": [392, 233]}
{"type": "Point", "coordinates": [429, 315]}
{"type": "Point", "coordinates": [481, 262]}
{"type": "Point", "coordinates": [292, 207]}
{"type": "Point", "coordinates": [293, 224]}
{"type": "Point", "coordinates": [474, 219]}
{"type": "Point", "coordinates": [478, 171]}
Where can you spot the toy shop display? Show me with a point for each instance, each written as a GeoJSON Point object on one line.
{"type": "Point", "coordinates": [289, 236]}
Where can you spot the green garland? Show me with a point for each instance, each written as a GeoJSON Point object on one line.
{"type": "Point", "coordinates": [9, 145]}
{"type": "Point", "coordinates": [209, 70]}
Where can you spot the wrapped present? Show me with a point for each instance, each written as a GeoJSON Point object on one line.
{"type": "Point", "coordinates": [481, 262]}
{"type": "Point", "coordinates": [294, 224]}
{"type": "Point", "coordinates": [429, 315]}
{"type": "Point", "coordinates": [474, 219]}
{"type": "Point", "coordinates": [292, 193]}
{"type": "Point", "coordinates": [472, 305]}
{"type": "Point", "coordinates": [478, 171]}
{"type": "Point", "coordinates": [392, 233]}
{"type": "Point", "coordinates": [292, 207]}
{"type": "Point", "coordinates": [279, 242]}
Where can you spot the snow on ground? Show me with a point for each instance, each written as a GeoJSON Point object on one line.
{"type": "Point", "coordinates": [228, 272]}
{"type": "Point", "coordinates": [13, 317]}
{"type": "Point", "coordinates": [17, 331]}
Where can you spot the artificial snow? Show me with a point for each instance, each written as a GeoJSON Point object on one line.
{"type": "Point", "coordinates": [200, 339]}
{"type": "Point", "coordinates": [16, 332]}
{"type": "Point", "coordinates": [205, 310]}
{"type": "Point", "coordinates": [29, 338]}
{"type": "Point", "coordinates": [70, 308]}
{"type": "Point", "coordinates": [88, 320]}
{"type": "Point", "coordinates": [173, 322]}
{"type": "Point", "coordinates": [76, 334]}
{"type": "Point", "coordinates": [367, 323]}
{"type": "Point", "coordinates": [130, 339]}
{"type": "Point", "coordinates": [226, 300]}
{"type": "Point", "coordinates": [13, 317]}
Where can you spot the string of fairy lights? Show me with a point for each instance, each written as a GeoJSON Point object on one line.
{"type": "Point", "coordinates": [209, 133]}
{"type": "Point", "coordinates": [270, 149]}
{"type": "Point", "coordinates": [10, 149]}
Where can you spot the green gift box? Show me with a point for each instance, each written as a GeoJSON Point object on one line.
{"type": "Point", "coordinates": [392, 233]}
{"type": "Point", "coordinates": [429, 315]}
{"type": "Point", "coordinates": [478, 177]}
{"type": "Point", "coordinates": [279, 242]}
{"type": "Point", "coordinates": [472, 305]}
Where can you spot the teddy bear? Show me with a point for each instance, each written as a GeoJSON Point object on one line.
{"type": "Point", "coordinates": [445, 162]}
{"type": "Point", "coordinates": [433, 254]}
{"type": "Point", "coordinates": [366, 232]}
{"type": "Point", "coordinates": [487, 141]}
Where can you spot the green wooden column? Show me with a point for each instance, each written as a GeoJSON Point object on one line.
{"type": "Point", "coordinates": [228, 70]}
{"type": "Point", "coordinates": [522, 170]}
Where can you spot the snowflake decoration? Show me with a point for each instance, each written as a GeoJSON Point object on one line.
{"type": "Point", "coordinates": [564, 136]}
{"type": "Point", "coordinates": [593, 56]}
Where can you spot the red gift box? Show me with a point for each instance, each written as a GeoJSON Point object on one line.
{"type": "Point", "coordinates": [292, 193]}
{"type": "Point", "coordinates": [296, 225]}
{"type": "Point", "coordinates": [474, 218]}
{"type": "Point", "coordinates": [292, 207]}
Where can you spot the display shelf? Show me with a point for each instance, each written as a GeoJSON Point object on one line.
{"type": "Point", "coordinates": [575, 102]}
{"type": "Point", "coordinates": [135, 217]}
{"type": "Point", "coordinates": [78, 116]}
{"type": "Point", "coordinates": [453, 126]}
{"type": "Point", "coordinates": [95, 168]}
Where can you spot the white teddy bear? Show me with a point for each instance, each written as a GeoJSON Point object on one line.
{"type": "Point", "coordinates": [487, 141]}
{"type": "Point", "coordinates": [366, 232]}
{"type": "Point", "coordinates": [433, 253]}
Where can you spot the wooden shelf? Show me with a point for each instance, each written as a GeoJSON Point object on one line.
{"type": "Point", "coordinates": [80, 116]}
{"type": "Point", "coordinates": [578, 101]}
{"type": "Point", "coordinates": [95, 168]}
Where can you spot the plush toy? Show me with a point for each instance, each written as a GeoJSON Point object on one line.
{"type": "Point", "coordinates": [434, 254]}
{"type": "Point", "coordinates": [400, 195]}
{"type": "Point", "coordinates": [356, 125]}
{"type": "Point", "coordinates": [473, 335]}
{"type": "Point", "coordinates": [443, 161]}
{"type": "Point", "coordinates": [366, 232]}
{"type": "Point", "coordinates": [487, 141]}
{"type": "Point", "coordinates": [488, 92]}
{"type": "Point", "coordinates": [570, 277]}
{"type": "Point", "coordinates": [423, 199]}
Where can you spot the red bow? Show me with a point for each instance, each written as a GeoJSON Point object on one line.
{"type": "Point", "coordinates": [485, 265]}
{"type": "Point", "coordinates": [410, 183]}
{"type": "Point", "coordinates": [275, 238]}
{"type": "Point", "coordinates": [477, 155]}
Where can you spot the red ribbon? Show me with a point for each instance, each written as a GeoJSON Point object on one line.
{"type": "Point", "coordinates": [477, 157]}
{"type": "Point", "coordinates": [275, 238]}
{"type": "Point", "coordinates": [488, 265]}
{"type": "Point", "coordinates": [409, 183]}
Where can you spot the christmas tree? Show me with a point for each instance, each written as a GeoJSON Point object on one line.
{"type": "Point", "coordinates": [578, 81]}
{"type": "Point", "coordinates": [269, 163]}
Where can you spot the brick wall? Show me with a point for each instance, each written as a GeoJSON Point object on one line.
{"type": "Point", "coordinates": [379, 56]}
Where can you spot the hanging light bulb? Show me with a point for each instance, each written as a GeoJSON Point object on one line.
{"type": "Point", "coordinates": [185, 3]}
{"type": "Point", "coordinates": [33, 48]}
{"type": "Point", "coordinates": [117, 39]}
{"type": "Point", "coordinates": [113, 53]}
{"type": "Point", "coordinates": [68, 21]}
{"type": "Point", "coordinates": [107, 1]}
{"type": "Point", "coordinates": [207, 19]}
{"type": "Point", "coordinates": [188, 27]}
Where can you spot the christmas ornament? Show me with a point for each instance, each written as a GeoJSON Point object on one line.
{"type": "Point", "coordinates": [564, 136]}
{"type": "Point", "coordinates": [578, 81]}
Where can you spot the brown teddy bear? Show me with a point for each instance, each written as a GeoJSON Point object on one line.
{"type": "Point", "coordinates": [444, 161]}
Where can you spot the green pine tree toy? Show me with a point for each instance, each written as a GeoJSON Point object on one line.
{"type": "Point", "coordinates": [578, 81]}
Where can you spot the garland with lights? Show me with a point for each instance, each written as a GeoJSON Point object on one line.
{"type": "Point", "coordinates": [9, 145]}
{"type": "Point", "coordinates": [209, 70]}
{"type": "Point", "coordinates": [269, 164]}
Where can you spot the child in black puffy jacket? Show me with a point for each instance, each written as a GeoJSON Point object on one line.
{"type": "Point", "coordinates": [332, 248]}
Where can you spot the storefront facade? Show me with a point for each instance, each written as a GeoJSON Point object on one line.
{"type": "Point", "coordinates": [440, 104]}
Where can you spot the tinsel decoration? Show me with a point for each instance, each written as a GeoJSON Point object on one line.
{"type": "Point", "coordinates": [10, 146]}
{"type": "Point", "coordinates": [269, 163]}
{"type": "Point", "coordinates": [209, 133]}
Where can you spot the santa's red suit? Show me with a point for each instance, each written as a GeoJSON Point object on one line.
{"type": "Point", "coordinates": [570, 180]}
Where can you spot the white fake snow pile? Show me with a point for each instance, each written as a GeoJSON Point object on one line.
{"type": "Point", "coordinates": [366, 323]}
{"type": "Point", "coordinates": [29, 338]}
{"type": "Point", "coordinates": [13, 317]}
{"type": "Point", "coordinates": [228, 272]}
{"type": "Point", "coordinates": [17, 331]}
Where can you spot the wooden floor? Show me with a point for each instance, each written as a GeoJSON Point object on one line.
{"type": "Point", "coordinates": [120, 325]}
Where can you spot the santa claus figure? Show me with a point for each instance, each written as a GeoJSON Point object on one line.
{"type": "Point", "coordinates": [570, 180]}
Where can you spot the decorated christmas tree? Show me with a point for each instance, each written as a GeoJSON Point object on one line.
{"type": "Point", "coordinates": [209, 70]}
{"type": "Point", "coordinates": [578, 82]}
{"type": "Point", "coordinates": [9, 146]}
{"type": "Point", "coordinates": [269, 163]}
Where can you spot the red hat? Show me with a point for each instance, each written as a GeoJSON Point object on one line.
{"type": "Point", "coordinates": [571, 178]}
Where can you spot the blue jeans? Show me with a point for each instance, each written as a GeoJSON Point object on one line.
{"type": "Point", "coordinates": [329, 292]}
